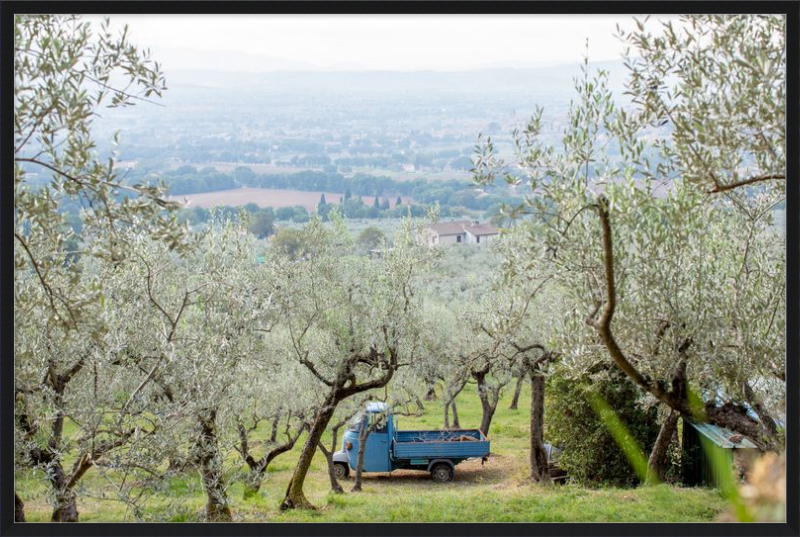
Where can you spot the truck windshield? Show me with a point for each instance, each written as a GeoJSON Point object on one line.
{"type": "Point", "coordinates": [355, 422]}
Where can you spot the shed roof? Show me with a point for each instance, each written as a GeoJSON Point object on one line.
{"type": "Point", "coordinates": [722, 437]}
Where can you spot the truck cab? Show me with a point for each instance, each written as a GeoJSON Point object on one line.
{"type": "Point", "coordinates": [387, 448]}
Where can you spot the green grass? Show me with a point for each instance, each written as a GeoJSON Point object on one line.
{"type": "Point", "coordinates": [499, 491]}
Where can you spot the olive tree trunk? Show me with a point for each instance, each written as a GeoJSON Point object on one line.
{"type": "Point", "coordinates": [517, 391]}
{"type": "Point", "coordinates": [540, 471]}
{"type": "Point", "coordinates": [487, 413]}
{"type": "Point", "coordinates": [490, 397]}
{"type": "Point", "coordinates": [258, 467]}
{"type": "Point", "coordinates": [343, 387]}
{"type": "Point", "coordinates": [66, 507]}
{"type": "Point", "coordinates": [209, 461]}
{"type": "Point", "coordinates": [336, 488]}
{"type": "Point", "coordinates": [658, 455]}
{"type": "Point", "coordinates": [363, 435]}
{"type": "Point", "coordinates": [448, 409]}
{"type": "Point", "coordinates": [295, 498]}
{"type": "Point", "coordinates": [451, 392]}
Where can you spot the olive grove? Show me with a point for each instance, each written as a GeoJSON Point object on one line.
{"type": "Point", "coordinates": [145, 351]}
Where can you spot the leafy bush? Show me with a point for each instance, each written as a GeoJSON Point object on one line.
{"type": "Point", "coordinates": [370, 238]}
{"type": "Point", "coordinates": [590, 454]}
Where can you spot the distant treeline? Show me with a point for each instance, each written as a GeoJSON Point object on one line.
{"type": "Point", "coordinates": [262, 219]}
{"type": "Point", "coordinates": [452, 193]}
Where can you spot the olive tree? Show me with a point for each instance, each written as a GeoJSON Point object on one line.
{"type": "Point", "coordinates": [195, 334]}
{"type": "Point", "coordinates": [520, 315]}
{"type": "Point", "coordinates": [273, 393]}
{"type": "Point", "coordinates": [67, 390]}
{"type": "Point", "coordinates": [439, 336]}
{"type": "Point", "coordinates": [350, 321]}
{"type": "Point", "coordinates": [64, 72]}
{"type": "Point", "coordinates": [719, 83]}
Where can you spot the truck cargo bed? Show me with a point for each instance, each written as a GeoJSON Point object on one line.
{"type": "Point", "coordinates": [456, 444]}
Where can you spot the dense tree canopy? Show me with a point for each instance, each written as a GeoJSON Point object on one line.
{"type": "Point", "coordinates": [693, 283]}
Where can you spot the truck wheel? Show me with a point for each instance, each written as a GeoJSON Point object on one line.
{"type": "Point", "coordinates": [341, 470]}
{"type": "Point", "coordinates": [442, 472]}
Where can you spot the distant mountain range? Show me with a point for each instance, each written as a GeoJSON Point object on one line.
{"type": "Point", "coordinates": [541, 80]}
{"type": "Point", "coordinates": [226, 61]}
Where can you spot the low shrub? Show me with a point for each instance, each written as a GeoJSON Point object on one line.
{"type": "Point", "coordinates": [590, 455]}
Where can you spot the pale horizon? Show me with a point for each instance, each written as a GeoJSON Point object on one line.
{"type": "Point", "coordinates": [260, 43]}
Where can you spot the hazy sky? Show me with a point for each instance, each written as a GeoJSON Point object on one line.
{"type": "Point", "coordinates": [396, 42]}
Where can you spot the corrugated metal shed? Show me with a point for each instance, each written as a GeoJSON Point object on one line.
{"type": "Point", "coordinates": [701, 443]}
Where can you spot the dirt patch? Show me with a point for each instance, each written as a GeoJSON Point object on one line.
{"type": "Point", "coordinates": [500, 470]}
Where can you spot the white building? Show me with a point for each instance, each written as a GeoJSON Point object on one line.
{"type": "Point", "coordinates": [480, 233]}
{"type": "Point", "coordinates": [461, 232]}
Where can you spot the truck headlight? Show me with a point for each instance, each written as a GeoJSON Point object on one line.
{"type": "Point", "coordinates": [349, 445]}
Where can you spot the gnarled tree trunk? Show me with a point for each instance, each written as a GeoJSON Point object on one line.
{"type": "Point", "coordinates": [258, 468]}
{"type": "Point", "coordinates": [451, 392]}
{"type": "Point", "coordinates": [490, 397]}
{"type": "Point", "coordinates": [63, 484]}
{"type": "Point", "coordinates": [336, 488]}
{"type": "Point", "coordinates": [454, 409]}
{"type": "Point", "coordinates": [658, 455]}
{"type": "Point", "coordinates": [517, 391]}
{"type": "Point", "coordinates": [344, 386]}
{"type": "Point", "coordinates": [487, 413]}
{"type": "Point", "coordinates": [209, 461]}
{"type": "Point", "coordinates": [540, 470]}
{"type": "Point", "coordinates": [448, 409]}
{"type": "Point", "coordinates": [66, 507]}
{"type": "Point", "coordinates": [273, 435]}
{"type": "Point", "coordinates": [363, 435]}
{"type": "Point", "coordinates": [295, 498]}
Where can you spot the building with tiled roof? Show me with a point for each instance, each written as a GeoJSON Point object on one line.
{"type": "Point", "coordinates": [461, 232]}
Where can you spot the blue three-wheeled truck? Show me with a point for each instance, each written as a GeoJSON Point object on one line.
{"type": "Point", "coordinates": [388, 449]}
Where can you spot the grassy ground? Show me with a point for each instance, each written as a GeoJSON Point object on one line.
{"type": "Point", "coordinates": [497, 491]}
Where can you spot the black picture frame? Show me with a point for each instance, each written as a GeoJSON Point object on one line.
{"type": "Point", "coordinates": [9, 8]}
